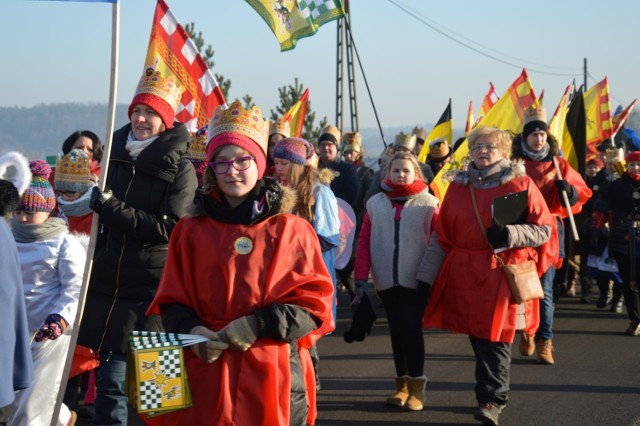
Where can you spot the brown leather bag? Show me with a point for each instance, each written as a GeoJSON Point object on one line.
{"type": "Point", "coordinates": [523, 278]}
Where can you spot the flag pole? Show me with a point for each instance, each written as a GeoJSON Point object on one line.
{"type": "Point", "coordinates": [567, 205]}
{"type": "Point", "coordinates": [104, 165]}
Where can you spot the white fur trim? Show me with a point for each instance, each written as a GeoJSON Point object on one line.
{"type": "Point", "coordinates": [22, 177]}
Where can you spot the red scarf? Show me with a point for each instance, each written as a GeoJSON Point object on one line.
{"type": "Point", "coordinates": [402, 191]}
{"type": "Point", "coordinates": [634, 176]}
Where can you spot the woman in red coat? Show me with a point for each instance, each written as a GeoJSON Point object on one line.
{"type": "Point", "coordinates": [251, 279]}
{"type": "Point", "coordinates": [470, 294]}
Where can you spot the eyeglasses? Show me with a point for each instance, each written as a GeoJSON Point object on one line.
{"type": "Point", "coordinates": [221, 167]}
{"type": "Point", "coordinates": [482, 146]}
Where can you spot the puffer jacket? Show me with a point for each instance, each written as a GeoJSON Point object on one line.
{"type": "Point", "coordinates": [150, 195]}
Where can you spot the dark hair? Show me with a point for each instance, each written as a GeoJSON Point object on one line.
{"type": "Point", "coordinates": [73, 137]}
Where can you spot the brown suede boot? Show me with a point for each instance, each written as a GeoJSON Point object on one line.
{"type": "Point", "coordinates": [526, 346]}
{"type": "Point", "coordinates": [416, 393]}
{"type": "Point", "coordinates": [399, 398]}
{"type": "Point", "coordinates": [545, 352]}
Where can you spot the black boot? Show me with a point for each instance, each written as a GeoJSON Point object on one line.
{"type": "Point", "coordinates": [605, 295]}
{"type": "Point", "coordinates": [617, 299]}
{"type": "Point", "coordinates": [585, 290]}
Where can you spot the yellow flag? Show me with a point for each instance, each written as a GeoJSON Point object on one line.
{"type": "Point", "coordinates": [598, 112]}
{"type": "Point", "coordinates": [442, 129]}
{"type": "Point", "coordinates": [556, 128]}
{"type": "Point", "coordinates": [296, 115]}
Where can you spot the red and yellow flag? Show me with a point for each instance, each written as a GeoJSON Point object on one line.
{"type": "Point", "coordinates": [506, 114]}
{"type": "Point", "coordinates": [173, 53]}
{"type": "Point", "coordinates": [598, 112]}
{"type": "Point", "coordinates": [619, 119]}
{"type": "Point", "coordinates": [469, 125]}
{"type": "Point", "coordinates": [296, 115]}
{"type": "Point", "coordinates": [557, 123]}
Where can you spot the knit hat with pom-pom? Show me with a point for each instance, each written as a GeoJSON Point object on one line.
{"type": "Point", "coordinates": [39, 197]}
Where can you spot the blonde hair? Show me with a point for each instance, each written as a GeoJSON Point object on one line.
{"type": "Point", "coordinates": [409, 156]}
{"type": "Point", "coordinates": [301, 179]}
{"type": "Point", "coordinates": [500, 137]}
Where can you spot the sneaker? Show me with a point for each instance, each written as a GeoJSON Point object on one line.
{"type": "Point", "coordinates": [634, 329]}
{"type": "Point", "coordinates": [527, 346]}
{"type": "Point", "coordinates": [545, 352]}
{"type": "Point", "coordinates": [488, 413]}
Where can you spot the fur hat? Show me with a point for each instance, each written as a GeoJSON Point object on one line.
{"type": "Point", "coordinates": [13, 184]}
{"type": "Point", "coordinates": [245, 129]}
{"type": "Point", "coordinates": [352, 141]}
{"type": "Point", "coordinates": [329, 133]}
{"type": "Point", "coordinates": [405, 141]}
{"type": "Point", "coordinates": [158, 93]}
{"type": "Point", "coordinates": [296, 150]}
{"type": "Point", "coordinates": [73, 172]}
{"type": "Point", "coordinates": [280, 127]}
{"type": "Point", "coordinates": [535, 119]}
{"type": "Point", "coordinates": [39, 197]}
{"type": "Point", "coordinates": [439, 149]}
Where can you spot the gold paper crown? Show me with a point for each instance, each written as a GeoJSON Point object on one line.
{"type": "Point", "coordinates": [280, 127]}
{"type": "Point", "coordinates": [612, 155]}
{"type": "Point", "coordinates": [236, 119]}
{"type": "Point", "coordinates": [535, 114]}
{"type": "Point", "coordinates": [153, 83]}
{"type": "Point", "coordinates": [352, 141]}
{"type": "Point", "coordinates": [406, 141]}
{"type": "Point", "coordinates": [419, 132]}
{"type": "Point", "coordinates": [198, 145]}
{"type": "Point", "coordinates": [73, 171]}
{"type": "Point", "coordinates": [333, 131]}
{"type": "Point", "coordinates": [439, 148]}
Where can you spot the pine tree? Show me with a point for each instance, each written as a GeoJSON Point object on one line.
{"type": "Point", "coordinates": [288, 97]}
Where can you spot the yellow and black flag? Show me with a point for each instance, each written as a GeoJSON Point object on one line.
{"type": "Point", "coordinates": [574, 138]}
{"type": "Point", "coordinates": [442, 129]}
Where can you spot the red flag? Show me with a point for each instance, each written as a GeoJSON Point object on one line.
{"type": "Point", "coordinates": [296, 114]}
{"type": "Point", "coordinates": [598, 113]}
{"type": "Point", "coordinates": [174, 53]}
{"type": "Point", "coordinates": [619, 119]}
{"type": "Point", "coordinates": [489, 101]}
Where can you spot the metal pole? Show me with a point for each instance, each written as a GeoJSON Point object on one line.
{"type": "Point", "coordinates": [585, 75]}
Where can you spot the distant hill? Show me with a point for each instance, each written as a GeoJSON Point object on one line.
{"type": "Point", "coordinates": [40, 130]}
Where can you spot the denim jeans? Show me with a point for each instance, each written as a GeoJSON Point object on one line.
{"type": "Point", "coordinates": [111, 401]}
{"type": "Point", "coordinates": [545, 331]}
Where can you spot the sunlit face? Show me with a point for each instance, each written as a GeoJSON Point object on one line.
{"type": "Point", "coordinates": [283, 167]}
{"type": "Point", "coordinates": [234, 184]}
{"type": "Point", "coordinates": [328, 151]}
{"type": "Point", "coordinates": [537, 140]}
{"type": "Point", "coordinates": [633, 167]}
{"type": "Point", "coordinates": [351, 156]}
{"type": "Point", "coordinates": [145, 122]}
{"type": "Point", "coordinates": [592, 170]}
{"type": "Point", "coordinates": [69, 195]}
{"type": "Point", "coordinates": [273, 141]}
{"type": "Point", "coordinates": [85, 144]}
{"type": "Point", "coordinates": [402, 172]}
{"type": "Point", "coordinates": [31, 218]}
{"type": "Point", "coordinates": [485, 152]}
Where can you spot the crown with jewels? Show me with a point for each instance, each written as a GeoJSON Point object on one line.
{"type": "Point", "coordinates": [236, 119]}
{"type": "Point", "coordinates": [352, 141]}
{"type": "Point", "coordinates": [73, 172]}
{"type": "Point", "coordinates": [439, 148]}
{"type": "Point", "coordinates": [167, 88]}
{"type": "Point", "coordinates": [534, 114]}
{"type": "Point", "coordinates": [405, 140]}
{"type": "Point", "coordinates": [281, 127]}
{"type": "Point", "coordinates": [198, 145]}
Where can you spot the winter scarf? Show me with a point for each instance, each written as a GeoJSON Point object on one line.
{"type": "Point", "coordinates": [135, 147]}
{"type": "Point", "coordinates": [29, 233]}
{"type": "Point", "coordinates": [533, 155]}
{"type": "Point", "coordinates": [402, 192]}
{"type": "Point", "coordinates": [79, 207]}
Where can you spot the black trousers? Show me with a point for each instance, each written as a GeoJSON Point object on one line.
{"type": "Point", "coordinates": [404, 308]}
{"type": "Point", "coordinates": [631, 299]}
{"type": "Point", "coordinates": [493, 363]}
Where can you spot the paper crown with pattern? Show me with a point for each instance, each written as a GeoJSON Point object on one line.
{"type": "Point", "coordinates": [532, 114]}
{"type": "Point", "coordinates": [330, 133]}
{"type": "Point", "coordinates": [236, 119]}
{"type": "Point", "coordinates": [153, 83]}
{"type": "Point", "coordinates": [419, 132]}
{"type": "Point", "coordinates": [280, 127]}
{"type": "Point", "coordinates": [405, 141]}
{"type": "Point", "coordinates": [352, 141]}
{"type": "Point", "coordinates": [439, 148]}
{"type": "Point", "coordinates": [198, 145]}
{"type": "Point", "coordinates": [73, 172]}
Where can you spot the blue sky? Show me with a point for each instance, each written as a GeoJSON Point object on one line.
{"type": "Point", "coordinates": [60, 52]}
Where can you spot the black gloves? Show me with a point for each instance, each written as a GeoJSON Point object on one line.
{"type": "Point", "coordinates": [498, 235]}
{"type": "Point", "coordinates": [99, 199]}
{"type": "Point", "coordinates": [563, 185]}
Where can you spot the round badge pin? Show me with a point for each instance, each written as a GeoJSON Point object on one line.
{"type": "Point", "coordinates": [243, 245]}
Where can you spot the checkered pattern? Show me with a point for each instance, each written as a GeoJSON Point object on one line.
{"type": "Point", "coordinates": [150, 396]}
{"type": "Point", "coordinates": [312, 9]}
{"type": "Point", "coordinates": [202, 94]}
{"type": "Point", "coordinates": [170, 362]}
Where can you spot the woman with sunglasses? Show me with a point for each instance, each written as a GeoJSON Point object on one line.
{"type": "Point", "coordinates": [250, 278]}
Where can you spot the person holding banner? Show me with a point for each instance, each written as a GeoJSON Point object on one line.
{"type": "Point", "coordinates": [149, 186]}
{"type": "Point", "coordinates": [540, 152]}
{"type": "Point", "coordinates": [470, 293]}
{"type": "Point", "coordinates": [619, 206]}
{"type": "Point", "coordinates": [262, 295]}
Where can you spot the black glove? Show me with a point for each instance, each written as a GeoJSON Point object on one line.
{"type": "Point", "coordinates": [99, 199]}
{"type": "Point", "coordinates": [498, 235]}
{"type": "Point", "coordinates": [563, 185]}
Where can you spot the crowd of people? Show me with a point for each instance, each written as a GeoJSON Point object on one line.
{"type": "Point", "coordinates": [231, 233]}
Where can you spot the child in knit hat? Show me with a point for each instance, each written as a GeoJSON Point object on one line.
{"type": "Point", "coordinates": [51, 293]}
{"type": "Point", "coordinates": [262, 297]}
{"type": "Point", "coordinates": [73, 182]}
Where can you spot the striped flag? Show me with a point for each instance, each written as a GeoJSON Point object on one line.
{"type": "Point", "coordinates": [489, 100]}
{"type": "Point", "coordinates": [598, 114]}
{"type": "Point", "coordinates": [296, 115]}
{"type": "Point", "coordinates": [442, 129]}
{"type": "Point", "coordinates": [574, 138]}
{"type": "Point", "coordinates": [557, 123]}
{"type": "Point", "coordinates": [173, 52]}
{"type": "Point", "coordinates": [621, 117]}
{"type": "Point", "coordinates": [469, 124]}
{"type": "Point", "coordinates": [291, 20]}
